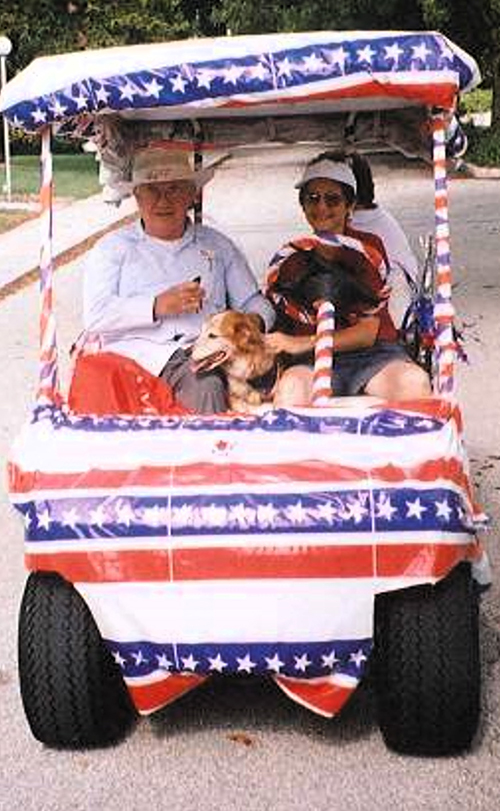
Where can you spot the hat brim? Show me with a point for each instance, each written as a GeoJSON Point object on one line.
{"type": "Point", "coordinates": [199, 179]}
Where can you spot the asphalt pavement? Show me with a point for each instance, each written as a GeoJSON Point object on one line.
{"type": "Point", "coordinates": [239, 746]}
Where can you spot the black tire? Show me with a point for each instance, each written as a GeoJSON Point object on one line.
{"type": "Point", "coordinates": [427, 666]}
{"type": "Point", "coordinates": [73, 693]}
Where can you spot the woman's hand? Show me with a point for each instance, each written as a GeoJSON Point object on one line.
{"type": "Point", "coordinates": [291, 344]}
{"type": "Point", "coordinates": [182, 298]}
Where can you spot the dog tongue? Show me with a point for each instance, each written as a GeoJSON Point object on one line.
{"type": "Point", "coordinates": [208, 363]}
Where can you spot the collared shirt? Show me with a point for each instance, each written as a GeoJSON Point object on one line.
{"type": "Point", "coordinates": [126, 271]}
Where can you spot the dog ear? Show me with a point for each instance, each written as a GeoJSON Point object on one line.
{"type": "Point", "coordinates": [257, 319]}
{"type": "Point", "coordinates": [247, 333]}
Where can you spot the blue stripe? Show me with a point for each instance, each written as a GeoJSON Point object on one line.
{"type": "Point", "coordinates": [387, 423]}
{"type": "Point", "coordinates": [235, 514]}
{"type": "Point", "coordinates": [300, 659]}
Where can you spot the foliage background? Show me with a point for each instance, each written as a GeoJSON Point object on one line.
{"type": "Point", "coordinates": [38, 27]}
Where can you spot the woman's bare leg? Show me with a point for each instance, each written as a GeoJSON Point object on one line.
{"type": "Point", "coordinates": [294, 388]}
{"type": "Point", "coordinates": [400, 380]}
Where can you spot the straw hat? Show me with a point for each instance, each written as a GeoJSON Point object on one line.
{"type": "Point", "coordinates": [162, 165]}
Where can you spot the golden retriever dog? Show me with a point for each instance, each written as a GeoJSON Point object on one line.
{"type": "Point", "coordinates": [233, 342]}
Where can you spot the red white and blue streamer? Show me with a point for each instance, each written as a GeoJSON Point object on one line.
{"type": "Point", "coordinates": [444, 312]}
{"type": "Point", "coordinates": [263, 73]}
{"type": "Point", "coordinates": [197, 542]}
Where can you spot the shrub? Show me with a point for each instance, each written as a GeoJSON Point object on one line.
{"type": "Point", "coordinates": [477, 101]}
{"type": "Point", "coordinates": [484, 145]}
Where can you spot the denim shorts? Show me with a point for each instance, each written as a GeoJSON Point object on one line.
{"type": "Point", "coordinates": [352, 371]}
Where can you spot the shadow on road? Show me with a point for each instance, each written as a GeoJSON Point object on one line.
{"type": "Point", "coordinates": [258, 705]}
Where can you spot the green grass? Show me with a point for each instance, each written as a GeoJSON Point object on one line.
{"type": "Point", "coordinates": [75, 176]}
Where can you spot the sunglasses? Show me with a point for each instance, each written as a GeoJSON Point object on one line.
{"type": "Point", "coordinates": [331, 199]}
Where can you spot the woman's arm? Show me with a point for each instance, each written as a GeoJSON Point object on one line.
{"type": "Point", "coordinates": [361, 335]}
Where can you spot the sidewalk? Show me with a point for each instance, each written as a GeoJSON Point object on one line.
{"type": "Point", "coordinates": [73, 224]}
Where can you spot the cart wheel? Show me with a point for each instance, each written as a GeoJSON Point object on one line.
{"type": "Point", "coordinates": [72, 691]}
{"type": "Point", "coordinates": [427, 666]}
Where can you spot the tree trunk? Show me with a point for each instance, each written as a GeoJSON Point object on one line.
{"type": "Point", "coordinates": [495, 75]}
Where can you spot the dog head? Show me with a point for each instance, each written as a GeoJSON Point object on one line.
{"type": "Point", "coordinates": [226, 339]}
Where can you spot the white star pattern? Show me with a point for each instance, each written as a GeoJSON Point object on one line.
{"type": "Point", "coordinates": [164, 662]}
{"type": "Point", "coordinates": [296, 513]}
{"type": "Point", "coordinates": [313, 64]}
{"type": "Point", "coordinates": [233, 74]}
{"type": "Point", "coordinates": [124, 513]}
{"type": "Point", "coordinates": [217, 663]}
{"type": "Point", "coordinates": [355, 511]}
{"type": "Point", "coordinates": [155, 516]}
{"type": "Point", "coordinates": [259, 71]}
{"type": "Point", "coordinates": [421, 51]}
{"type": "Point", "coordinates": [329, 660]}
{"type": "Point", "coordinates": [327, 512]}
{"type": "Point", "coordinates": [27, 520]}
{"type": "Point", "coordinates": [358, 658]}
{"type": "Point", "coordinates": [58, 109]}
{"type": "Point", "coordinates": [38, 116]}
{"type": "Point", "coordinates": [447, 54]}
{"type": "Point", "coordinates": [139, 658]}
{"type": "Point", "coordinates": [120, 661]}
{"type": "Point", "coordinates": [178, 84]}
{"type": "Point", "coordinates": [44, 520]}
{"type": "Point", "coordinates": [190, 663]}
{"type": "Point", "coordinates": [205, 78]}
{"type": "Point", "coordinates": [128, 91]}
{"type": "Point", "coordinates": [214, 515]}
{"type": "Point", "coordinates": [102, 95]}
{"type": "Point", "coordinates": [443, 510]}
{"type": "Point", "coordinates": [245, 665]}
{"type": "Point", "coordinates": [70, 518]}
{"type": "Point", "coordinates": [384, 508]}
{"type": "Point", "coordinates": [182, 516]}
{"type": "Point", "coordinates": [274, 663]}
{"type": "Point", "coordinates": [98, 516]}
{"type": "Point", "coordinates": [266, 515]}
{"type": "Point", "coordinates": [366, 54]}
{"type": "Point", "coordinates": [80, 101]}
{"type": "Point", "coordinates": [415, 509]}
{"type": "Point", "coordinates": [242, 515]}
{"type": "Point", "coordinates": [393, 52]}
{"type": "Point", "coordinates": [153, 88]}
{"type": "Point", "coordinates": [284, 68]}
{"type": "Point", "coordinates": [302, 663]}
{"type": "Point", "coordinates": [338, 57]}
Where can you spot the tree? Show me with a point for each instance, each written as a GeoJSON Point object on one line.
{"type": "Point", "coordinates": [475, 26]}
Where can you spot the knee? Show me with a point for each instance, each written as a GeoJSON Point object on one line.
{"type": "Point", "coordinates": [294, 388]}
{"type": "Point", "coordinates": [415, 382]}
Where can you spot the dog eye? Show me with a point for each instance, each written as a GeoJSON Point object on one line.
{"type": "Point", "coordinates": [211, 335]}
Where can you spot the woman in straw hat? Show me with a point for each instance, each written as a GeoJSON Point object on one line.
{"type": "Point", "coordinates": [149, 287]}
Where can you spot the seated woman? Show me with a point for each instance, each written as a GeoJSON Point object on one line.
{"type": "Point", "coordinates": [368, 357]}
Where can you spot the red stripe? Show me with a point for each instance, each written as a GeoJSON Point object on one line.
{"type": "Point", "coordinates": [439, 95]}
{"type": "Point", "coordinates": [320, 695]}
{"type": "Point", "coordinates": [249, 563]}
{"type": "Point", "coordinates": [450, 470]}
{"type": "Point", "coordinates": [149, 697]}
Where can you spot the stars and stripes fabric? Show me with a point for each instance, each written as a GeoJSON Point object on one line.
{"type": "Point", "coordinates": [255, 74]}
{"type": "Point", "coordinates": [245, 544]}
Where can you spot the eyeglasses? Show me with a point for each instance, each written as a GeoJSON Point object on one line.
{"type": "Point", "coordinates": [331, 199]}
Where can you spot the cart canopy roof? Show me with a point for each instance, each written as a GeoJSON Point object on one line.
{"type": "Point", "coordinates": [248, 76]}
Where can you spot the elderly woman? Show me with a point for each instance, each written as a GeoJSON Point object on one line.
{"type": "Point", "coordinates": [368, 357]}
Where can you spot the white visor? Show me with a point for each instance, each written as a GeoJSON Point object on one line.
{"type": "Point", "coordinates": [329, 170]}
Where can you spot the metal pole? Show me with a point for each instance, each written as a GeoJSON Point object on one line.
{"type": "Point", "coordinates": [6, 141]}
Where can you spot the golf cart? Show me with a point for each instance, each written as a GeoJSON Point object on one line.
{"type": "Point", "coordinates": [297, 545]}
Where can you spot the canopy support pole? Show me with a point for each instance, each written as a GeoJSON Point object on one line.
{"type": "Point", "coordinates": [48, 390]}
{"type": "Point", "coordinates": [444, 313]}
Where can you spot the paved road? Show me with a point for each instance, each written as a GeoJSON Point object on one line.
{"type": "Point", "coordinates": [246, 746]}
